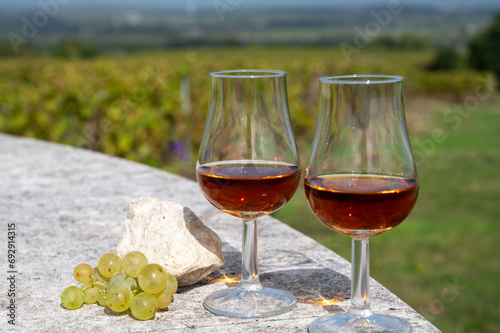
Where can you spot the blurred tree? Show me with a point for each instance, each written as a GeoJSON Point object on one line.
{"type": "Point", "coordinates": [484, 49]}
{"type": "Point", "coordinates": [406, 41]}
{"type": "Point", "coordinates": [6, 50]}
{"type": "Point", "coordinates": [414, 42]}
{"type": "Point", "coordinates": [445, 59]}
{"type": "Point", "coordinates": [74, 49]}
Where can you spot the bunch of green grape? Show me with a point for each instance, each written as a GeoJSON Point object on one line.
{"type": "Point", "coordinates": [131, 283]}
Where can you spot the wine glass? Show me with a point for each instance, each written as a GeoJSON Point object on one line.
{"type": "Point", "coordinates": [248, 167]}
{"type": "Point", "coordinates": [361, 180]}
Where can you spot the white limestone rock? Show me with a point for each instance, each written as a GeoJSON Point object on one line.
{"type": "Point", "coordinates": [173, 236]}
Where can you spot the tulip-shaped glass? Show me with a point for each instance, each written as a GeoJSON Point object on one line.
{"type": "Point", "coordinates": [248, 167]}
{"type": "Point", "coordinates": [361, 180]}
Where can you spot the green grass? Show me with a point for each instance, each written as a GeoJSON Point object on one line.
{"type": "Point", "coordinates": [443, 259]}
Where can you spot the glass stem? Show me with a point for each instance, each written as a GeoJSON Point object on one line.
{"type": "Point", "coordinates": [360, 283]}
{"type": "Point", "coordinates": [249, 260]}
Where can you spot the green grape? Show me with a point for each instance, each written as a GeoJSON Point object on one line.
{"type": "Point", "coordinates": [109, 265]}
{"type": "Point", "coordinates": [119, 298]}
{"type": "Point", "coordinates": [152, 278]}
{"type": "Point", "coordinates": [82, 273]}
{"type": "Point", "coordinates": [99, 277]}
{"type": "Point", "coordinates": [143, 306]}
{"type": "Point", "coordinates": [121, 279]}
{"type": "Point", "coordinates": [171, 284]}
{"type": "Point", "coordinates": [133, 262]}
{"type": "Point", "coordinates": [72, 298]}
{"type": "Point", "coordinates": [90, 293]}
{"type": "Point", "coordinates": [101, 299]}
{"type": "Point", "coordinates": [164, 298]}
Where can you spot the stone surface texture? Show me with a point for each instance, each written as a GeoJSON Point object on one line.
{"type": "Point", "coordinates": [68, 206]}
{"type": "Point", "coordinates": [170, 234]}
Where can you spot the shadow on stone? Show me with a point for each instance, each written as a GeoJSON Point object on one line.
{"type": "Point", "coordinates": [320, 286]}
{"type": "Point", "coordinates": [110, 312]}
{"type": "Point", "coordinates": [323, 287]}
{"type": "Point", "coordinates": [229, 273]}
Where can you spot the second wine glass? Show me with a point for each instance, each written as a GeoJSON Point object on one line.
{"type": "Point", "coordinates": [248, 167]}
{"type": "Point", "coordinates": [361, 181]}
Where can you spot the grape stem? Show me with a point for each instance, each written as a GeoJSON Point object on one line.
{"type": "Point", "coordinates": [95, 282]}
{"type": "Point", "coordinates": [87, 287]}
{"type": "Point", "coordinates": [136, 289]}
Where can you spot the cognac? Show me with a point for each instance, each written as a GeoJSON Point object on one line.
{"type": "Point", "coordinates": [361, 204]}
{"type": "Point", "coordinates": [248, 189]}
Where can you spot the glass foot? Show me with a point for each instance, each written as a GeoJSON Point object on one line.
{"type": "Point", "coordinates": [347, 322]}
{"type": "Point", "coordinates": [244, 303]}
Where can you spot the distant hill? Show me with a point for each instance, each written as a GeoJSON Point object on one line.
{"type": "Point", "coordinates": [203, 4]}
{"type": "Point", "coordinates": [117, 25]}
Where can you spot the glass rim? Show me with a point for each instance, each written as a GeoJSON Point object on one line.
{"type": "Point", "coordinates": [361, 79]}
{"type": "Point", "coordinates": [247, 73]}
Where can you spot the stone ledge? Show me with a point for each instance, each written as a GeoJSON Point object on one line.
{"type": "Point", "coordinates": [69, 204]}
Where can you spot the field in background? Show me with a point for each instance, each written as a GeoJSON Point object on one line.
{"type": "Point", "coordinates": [442, 260]}
{"type": "Point", "coordinates": [151, 108]}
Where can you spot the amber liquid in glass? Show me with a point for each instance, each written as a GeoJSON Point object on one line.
{"type": "Point", "coordinates": [361, 204]}
{"type": "Point", "coordinates": [249, 189]}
